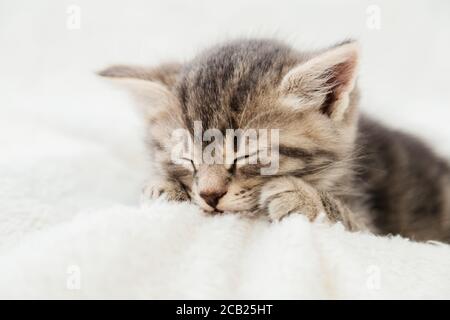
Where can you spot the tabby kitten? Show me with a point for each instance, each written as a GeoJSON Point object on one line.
{"type": "Point", "coordinates": [332, 159]}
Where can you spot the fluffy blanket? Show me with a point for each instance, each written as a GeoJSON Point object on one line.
{"type": "Point", "coordinates": [71, 226]}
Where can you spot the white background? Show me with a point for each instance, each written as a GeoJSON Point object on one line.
{"type": "Point", "coordinates": [405, 65]}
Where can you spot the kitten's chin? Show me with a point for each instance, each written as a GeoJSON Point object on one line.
{"type": "Point", "coordinates": [250, 210]}
{"type": "Point", "coordinates": [228, 206]}
{"type": "Point", "coordinates": [221, 209]}
{"type": "Point", "coordinates": [235, 209]}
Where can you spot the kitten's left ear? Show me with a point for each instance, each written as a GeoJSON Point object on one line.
{"type": "Point", "coordinates": [151, 87]}
{"type": "Point", "coordinates": [324, 82]}
{"type": "Point", "coordinates": [164, 74]}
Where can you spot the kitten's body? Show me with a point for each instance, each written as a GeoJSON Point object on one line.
{"type": "Point", "coordinates": [331, 158]}
{"type": "Point", "coordinates": [407, 187]}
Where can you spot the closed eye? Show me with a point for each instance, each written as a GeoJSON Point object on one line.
{"type": "Point", "coordinates": [192, 162]}
{"type": "Point", "coordinates": [241, 158]}
{"type": "Point", "coordinates": [235, 161]}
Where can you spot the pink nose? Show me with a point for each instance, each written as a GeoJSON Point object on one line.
{"type": "Point", "coordinates": [212, 198]}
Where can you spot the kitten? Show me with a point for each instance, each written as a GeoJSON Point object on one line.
{"type": "Point", "coordinates": [332, 159]}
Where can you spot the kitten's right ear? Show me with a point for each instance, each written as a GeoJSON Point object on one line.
{"type": "Point", "coordinates": [324, 82]}
{"type": "Point", "coordinates": [151, 87]}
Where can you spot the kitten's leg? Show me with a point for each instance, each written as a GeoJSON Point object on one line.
{"type": "Point", "coordinates": [285, 195]}
{"type": "Point", "coordinates": [171, 190]}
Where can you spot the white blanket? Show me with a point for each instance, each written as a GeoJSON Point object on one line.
{"type": "Point", "coordinates": [172, 251]}
{"type": "Point", "coordinates": [72, 164]}
{"type": "Point", "coordinates": [71, 227]}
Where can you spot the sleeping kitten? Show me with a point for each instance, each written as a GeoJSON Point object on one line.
{"type": "Point", "coordinates": [331, 158]}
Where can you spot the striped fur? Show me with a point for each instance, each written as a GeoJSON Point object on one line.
{"type": "Point", "coordinates": [332, 158]}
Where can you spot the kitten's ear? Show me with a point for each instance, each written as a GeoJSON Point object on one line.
{"type": "Point", "coordinates": [324, 82]}
{"type": "Point", "coordinates": [150, 86]}
{"type": "Point", "coordinates": [164, 74]}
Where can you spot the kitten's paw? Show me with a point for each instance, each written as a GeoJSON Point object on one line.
{"type": "Point", "coordinates": [171, 191]}
{"type": "Point", "coordinates": [150, 191]}
{"type": "Point", "coordinates": [283, 196]}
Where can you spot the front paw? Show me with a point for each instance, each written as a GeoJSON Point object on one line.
{"type": "Point", "coordinates": [169, 190]}
{"type": "Point", "coordinates": [283, 196]}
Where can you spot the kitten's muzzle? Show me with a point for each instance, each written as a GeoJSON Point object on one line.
{"type": "Point", "coordinates": [212, 198]}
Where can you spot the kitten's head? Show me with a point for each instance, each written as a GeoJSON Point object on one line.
{"type": "Point", "coordinates": [256, 86]}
